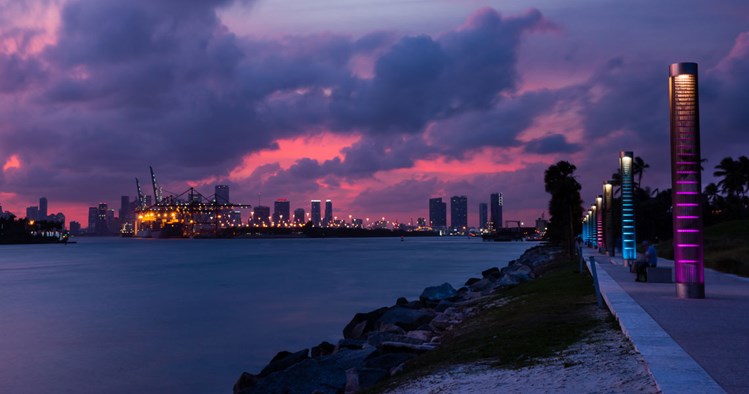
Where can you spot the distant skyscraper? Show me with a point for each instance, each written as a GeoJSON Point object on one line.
{"type": "Point", "coordinates": [496, 209]}
{"type": "Point", "coordinates": [459, 212]}
{"type": "Point", "coordinates": [93, 214]}
{"type": "Point", "coordinates": [42, 209]}
{"type": "Point", "coordinates": [281, 211]}
{"type": "Point", "coordinates": [437, 212]}
{"type": "Point", "coordinates": [328, 219]}
{"type": "Point", "coordinates": [261, 214]}
{"type": "Point", "coordinates": [32, 213]}
{"type": "Point", "coordinates": [299, 216]}
{"type": "Point", "coordinates": [315, 212]}
{"type": "Point", "coordinates": [75, 228]}
{"type": "Point", "coordinates": [222, 194]}
{"type": "Point", "coordinates": [101, 219]}
{"type": "Point", "coordinates": [483, 209]}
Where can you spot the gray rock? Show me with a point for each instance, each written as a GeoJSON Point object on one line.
{"type": "Point", "coordinates": [323, 349]}
{"type": "Point", "coordinates": [362, 378]}
{"type": "Point", "coordinates": [401, 301]}
{"type": "Point", "coordinates": [492, 272]}
{"type": "Point", "coordinates": [284, 360]}
{"type": "Point", "coordinates": [471, 281]}
{"type": "Point", "coordinates": [377, 338]}
{"type": "Point", "coordinates": [362, 323]}
{"type": "Point", "coordinates": [482, 285]}
{"type": "Point", "coordinates": [406, 318]}
{"type": "Point", "coordinates": [246, 380]}
{"type": "Point", "coordinates": [326, 375]}
{"type": "Point", "coordinates": [403, 347]}
{"type": "Point", "coordinates": [506, 281]}
{"type": "Point", "coordinates": [422, 335]}
{"type": "Point", "coordinates": [435, 294]}
{"type": "Point", "coordinates": [521, 273]}
{"type": "Point", "coordinates": [351, 344]}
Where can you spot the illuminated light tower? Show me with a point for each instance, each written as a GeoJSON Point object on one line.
{"type": "Point", "coordinates": [585, 228]}
{"type": "Point", "coordinates": [686, 182]}
{"type": "Point", "coordinates": [599, 223]}
{"type": "Point", "coordinates": [594, 225]}
{"type": "Point", "coordinates": [608, 202]}
{"type": "Point", "coordinates": [629, 242]}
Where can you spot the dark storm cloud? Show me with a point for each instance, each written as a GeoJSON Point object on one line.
{"type": "Point", "coordinates": [555, 143]}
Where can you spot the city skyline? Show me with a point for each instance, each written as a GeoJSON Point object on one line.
{"type": "Point", "coordinates": [376, 107]}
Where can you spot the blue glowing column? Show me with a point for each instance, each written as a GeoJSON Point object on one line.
{"type": "Point", "coordinates": [686, 182]}
{"type": "Point", "coordinates": [599, 223]}
{"type": "Point", "coordinates": [629, 241]}
{"type": "Point", "coordinates": [585, 228]}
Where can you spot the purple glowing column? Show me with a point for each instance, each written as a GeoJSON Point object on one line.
{"type": "Point", "coordinates": [599, 223]}
{"type": "Point", "coordinates": [593, 227]}
{"type": "Point", "coordinates": [686, 183]}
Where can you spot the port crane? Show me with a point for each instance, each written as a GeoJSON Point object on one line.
{"type": "Point", "coordinates": [186, 214]}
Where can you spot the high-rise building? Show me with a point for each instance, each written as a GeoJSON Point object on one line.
{"type": "Point", "coordinates": [222, 194]}
{"type": "Point", "coordinates": [483, 213]}
{"type": "Point", "coordinates": [315, 212]}
{"type": "Point", "coordinates": [328, 219]}
{"type": "Point", "coordinates": [281, 211]}
{"type": "Point", "coordinates": [93, 214]}
{"type": "Point", "coordinates": [32, 213]}
{"type": "Point", "coordinates": [261, 214]}
{"type": "Point", "coordinates": [437, 213]}
{"type": "Point", "coordinates": [42, 209]}
{"type": "Point", "coordinates": [299, 216]}
{"type": "Point", "coordinates": [496, 202]}
{"type": "Point", "coordinates": [75, 228]}
{"type": "Point", "coordinates": [459, 212]}
{"type": "Point", "coordinates": [101, 227]}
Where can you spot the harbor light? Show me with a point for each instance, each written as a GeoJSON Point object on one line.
{"type": "Point", "coordinates": [686, 182]}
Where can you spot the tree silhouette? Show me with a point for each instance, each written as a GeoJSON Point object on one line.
{"type": "Point", "coordinates": [565, 205]}
{"type": "Point", "coordinates": [638, 168]}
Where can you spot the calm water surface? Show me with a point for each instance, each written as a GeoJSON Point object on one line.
{"type": "Point", "coordinates": [153, 316]}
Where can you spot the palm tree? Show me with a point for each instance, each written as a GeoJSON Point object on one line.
{"type": "Point", "coordinates": [711, 192]}
{"type": "Point", "coordinates": [733, 183]}
{"type": "Point", "coordinates": [565, 205]}
{"type": "Point", "coordinates": [638, 168]}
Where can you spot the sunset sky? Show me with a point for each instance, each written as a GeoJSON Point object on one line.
{"type": "Point", "coordinates": [375, 104]}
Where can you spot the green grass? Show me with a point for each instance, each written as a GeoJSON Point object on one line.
{"type": "Point", "coordinates": [726, 247]}
{"type": "Point", "coordinates": [541, 318]}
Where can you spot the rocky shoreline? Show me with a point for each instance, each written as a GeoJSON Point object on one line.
{"type": "Point", "coordinates": [378, 344]}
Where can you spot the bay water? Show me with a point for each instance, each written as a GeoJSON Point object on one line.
{"type": "Point", "coordinates": [189, 315]}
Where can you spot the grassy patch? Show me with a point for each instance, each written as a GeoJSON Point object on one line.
{"type": "Point", "coordinates": [726, 247]}
{"type": "Point", "coordinates": [541, 318]}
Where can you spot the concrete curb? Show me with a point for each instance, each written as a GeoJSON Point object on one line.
{"type": "Point", "coordinates": [672, 368]}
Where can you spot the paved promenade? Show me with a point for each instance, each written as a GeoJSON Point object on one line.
{"type": "Point", "coordinates": [690, 345]}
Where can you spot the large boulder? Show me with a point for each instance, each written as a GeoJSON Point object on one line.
{"type": "Point", "coordinates": [376, 338]}
{"type": "Point", "coordinates": [362, 323]}
{"type": "Point", "coordinates": [284, 360]}
{"type": "Point", "coordinates": [483, 285]}
{"type": "Point", "coordinates": [387, 361]}
{"type": "Point", "coordinates": [492, 273]}
{"type": "Point", "coordinates": [326, 375]}
{"type": "Point", "coordinates": [521, 273]}
{"type": "Point", "coordinates": [406, 318]}
{"type": "Point", "coordinates": [435, 294]}
{"type": "Point", "coordinates": [323, 349]}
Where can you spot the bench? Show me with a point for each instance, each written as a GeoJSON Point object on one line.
{"type": "Point", "coordinates": [660, 275]}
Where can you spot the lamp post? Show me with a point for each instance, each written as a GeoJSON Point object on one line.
{"type": "Point", "coordinates": [686, 182]}
{"type": "Point", "coordinates": [608, 201]}
{"type": "Point", "coordinates": [599, 223]}
{"type": "Point", "coordinates": [629, 241]}
{"type": "Point", "coordinates": [594, 225]}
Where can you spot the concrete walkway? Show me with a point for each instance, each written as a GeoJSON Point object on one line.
{"type": "Point", "coordinates": [690, 345]}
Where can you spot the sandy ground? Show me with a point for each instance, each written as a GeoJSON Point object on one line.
{"type": "Point", "coordinates": [605, 362]}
